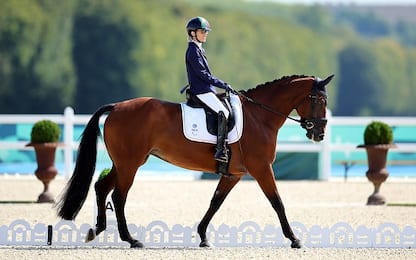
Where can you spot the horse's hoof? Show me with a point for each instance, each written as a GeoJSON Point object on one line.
{"type": "Point", "coordinates": [136, 244]}
{"type": "Point", "coordinates": [296, 244]}
{"type": "Point", "coordinates": [90, 235]}
{"type": "Point", "coordinates": [206, 243]}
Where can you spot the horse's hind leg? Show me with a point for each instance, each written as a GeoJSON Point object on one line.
{"type": "Point", "coordinates": [123, 183]}
{"type": "Point", "coordinates": [225, 185]}
{"type": "Point", "coordinates": [102, 187]}
{"type": "Point", "coordinates": [268, 185]}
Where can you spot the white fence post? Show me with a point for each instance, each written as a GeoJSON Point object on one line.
{"type": "Point", "coordinates": [325, 153]}
{"type": "Point", "coordinates": [68, 140]}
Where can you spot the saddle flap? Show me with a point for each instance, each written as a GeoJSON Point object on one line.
{"type": "Point", "coordinates": [195, 125]}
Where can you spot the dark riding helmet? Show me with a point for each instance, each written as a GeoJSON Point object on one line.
{"type": "Point", "coordinates": [197, 23]}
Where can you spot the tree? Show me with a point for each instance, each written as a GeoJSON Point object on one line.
{"type": "Point", "coordinates": [406, 33]}
{"type": "Point", "coordinates": [357, 93]}
{"type": "Point", "coordinates": [103, 41]}
{"type": "Point", "coordinates": [35, 68]}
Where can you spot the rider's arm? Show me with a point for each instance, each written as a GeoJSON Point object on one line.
{"type": "Point", "coordinates": [196, 62]}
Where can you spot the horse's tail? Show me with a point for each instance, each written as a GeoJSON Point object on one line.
{"type": "Point", "coordinates": [77, 188]}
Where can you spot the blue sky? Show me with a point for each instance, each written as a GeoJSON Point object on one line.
{"type": "Point", "coordinates": [363, 2]}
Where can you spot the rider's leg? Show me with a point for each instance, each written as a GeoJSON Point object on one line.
{"type": "Point", "coordinates": [221, 153]}
{"type": "Point", "coordinates": [211, 100]}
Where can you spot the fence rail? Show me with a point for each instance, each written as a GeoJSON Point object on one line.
{"type": "Point", "coordinates": [324, 148]}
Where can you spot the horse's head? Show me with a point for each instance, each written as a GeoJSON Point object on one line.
{"type": "Point", "coordinates": [312, 110]}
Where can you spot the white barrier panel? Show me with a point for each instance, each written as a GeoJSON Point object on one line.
{"type": "Point", "coordinates": [159, 234]}
{"type": "Point", "coordinates": [324, 148]}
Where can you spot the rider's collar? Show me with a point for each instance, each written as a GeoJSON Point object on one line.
{"type": "Point", "coordinates": [199, 44]}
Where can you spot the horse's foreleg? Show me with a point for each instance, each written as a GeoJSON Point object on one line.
{"type": "Point", "coordinates": [268, 185]}
{"type": "Point", "coordinates": [102, 187]}
{"type": "Point", "coordinates": [224, 187]}
{"type": "Point", "coordinates": [119, 197]}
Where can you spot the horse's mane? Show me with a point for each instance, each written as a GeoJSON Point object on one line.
{"type": "Point", "coordinates": [282, 80]}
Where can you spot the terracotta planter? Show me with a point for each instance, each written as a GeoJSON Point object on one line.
{"type": "Point", "coordinates": [377, 172]}
{"type": "Point", "coordinates": [46, 171]}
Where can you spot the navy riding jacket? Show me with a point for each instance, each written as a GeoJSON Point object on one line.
{"type": "Point", "coordinates": [199, 75]}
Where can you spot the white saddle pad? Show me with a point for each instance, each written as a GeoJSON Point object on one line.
{"type": "Point", "coordinates": [195, 124]}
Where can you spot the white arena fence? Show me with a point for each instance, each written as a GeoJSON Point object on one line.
{"type": "Point", "coordinates": [248, 234]}
{"type": "Point", "coordinates": [68, 119]}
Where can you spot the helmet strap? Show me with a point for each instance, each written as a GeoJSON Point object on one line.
{"type": "Point", "coordinates": [195, 38]}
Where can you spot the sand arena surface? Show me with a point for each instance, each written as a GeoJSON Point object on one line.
{"type": "Point", "coordinates": [185, 202]}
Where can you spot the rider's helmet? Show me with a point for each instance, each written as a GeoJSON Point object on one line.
{"type": "Point", "coordinates": [197, 23]}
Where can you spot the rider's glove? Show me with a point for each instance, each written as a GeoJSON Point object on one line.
{"type": "Point", "coordinates": [231, 90]}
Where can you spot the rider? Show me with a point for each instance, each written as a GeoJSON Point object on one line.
{"type": "Point", "coordinates": [202, 82]}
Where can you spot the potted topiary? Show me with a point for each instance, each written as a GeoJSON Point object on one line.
{"type": "Point", "coordinates": [44, 139]}
{"type": "Point", "coordinates": [378, 139]}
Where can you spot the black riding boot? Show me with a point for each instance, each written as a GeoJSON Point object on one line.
{"type": "Point", "coordinates": [221, 153]}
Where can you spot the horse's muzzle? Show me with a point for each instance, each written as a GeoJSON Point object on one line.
{"type": "Point", "coordinates": [315, 128]}
{"type": "Point", "coordinates": [315, 136]}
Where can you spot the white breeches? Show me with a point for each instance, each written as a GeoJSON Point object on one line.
{"type": "Point", "coordinates": [211, 100]}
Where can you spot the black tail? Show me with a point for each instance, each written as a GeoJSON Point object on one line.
{"type": "Point", "coordinates": [77, 188]}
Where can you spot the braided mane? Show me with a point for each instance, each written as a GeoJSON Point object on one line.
{"type": "Point", "coordinates": [283, 79]}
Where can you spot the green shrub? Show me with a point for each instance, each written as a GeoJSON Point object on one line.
{"type": "Point", "coordinates": [104, 173]}
{"type": "Point", "coordinates": [378, 133]}
{"type": "Point", "coordinates": [45, 131]}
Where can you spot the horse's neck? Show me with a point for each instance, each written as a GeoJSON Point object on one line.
{"type": "Point", "coordinates": [273, 105]}
{"type": "Point", "coordinates": [281, 96]}
{"type": "Point", "coordinates": [275, 96]}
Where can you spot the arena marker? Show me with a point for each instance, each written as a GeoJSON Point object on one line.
{"type": "Point", "coordinates": [49, 235]}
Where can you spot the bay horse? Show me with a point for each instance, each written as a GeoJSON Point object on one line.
{"type": "Point", "coordinates": [140, 127]}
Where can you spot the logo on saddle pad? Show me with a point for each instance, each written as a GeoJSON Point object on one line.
{"type": "Point", "coordinates": [195, 126]}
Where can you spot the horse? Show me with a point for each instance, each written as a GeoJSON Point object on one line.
{"type": "Point", "coordinates": [137, 128]}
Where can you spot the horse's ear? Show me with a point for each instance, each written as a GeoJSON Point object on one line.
{"type": "Point", "coordinates": [327, 80]}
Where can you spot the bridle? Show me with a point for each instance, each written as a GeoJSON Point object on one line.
{"type": "Point", "coordinates": [317, 97]}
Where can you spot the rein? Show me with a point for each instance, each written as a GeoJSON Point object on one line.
{"type": "Point", "coordinates": [270, 109]}
{"type": "Point", "coordinates": [305, 123]}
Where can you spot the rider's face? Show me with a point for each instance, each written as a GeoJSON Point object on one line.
{"type": "Point", "coordinates": [201, 35]}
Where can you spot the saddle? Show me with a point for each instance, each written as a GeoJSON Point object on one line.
{"type": "Point", "coordinates": [211, 116]}
{"type": "Point", "coordinates": [200, 123]}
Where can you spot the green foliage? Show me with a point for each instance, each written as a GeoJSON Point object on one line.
{"type": "Point", "coordinates": [367, 24]}
{"type": "Point", "coordinates": [370, 78]}
{"type": "Point", "coordinates": [378, 133]}
{"type": "Point", "coordinates": [103, 42]}
{"type": "Point", "coordinates": [358, 63]}
{"type": "Point", "coordinates": [35, 56]}
{"type": "Point", "coordinates": [406, 32]}
{"type": "Point", "coordinates": [104, 173]}
{"type": "Point", "coordinates": [45, 131]}
{"type": "Point", "coordinates": [85, 53]}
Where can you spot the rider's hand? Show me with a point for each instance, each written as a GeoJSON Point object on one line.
{"type": "Point", "coordinates": [230, 89]}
